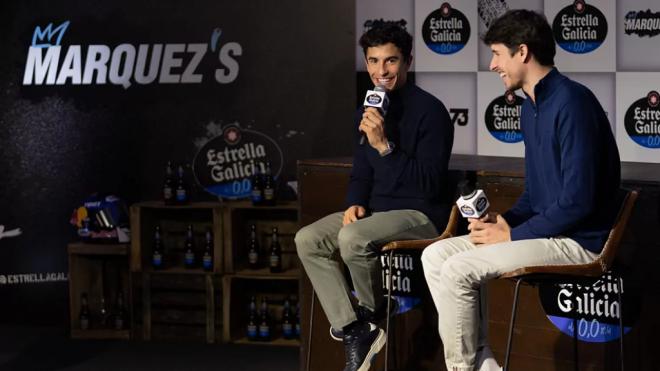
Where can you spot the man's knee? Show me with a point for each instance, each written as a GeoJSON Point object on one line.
{"type": "Point", "coordinates": [432, 258]}
{"type": "Point", "coordinates": [456, 271]}
{"type": "Point", "coordinates": [353, 242]}
{"type": "Point", "coordinates": [307, 239]}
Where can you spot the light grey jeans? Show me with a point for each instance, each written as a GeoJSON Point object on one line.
{"type": "Point", "coordinates": [457, 270]}
{"type": "Point", "coordinates": [323, 245]}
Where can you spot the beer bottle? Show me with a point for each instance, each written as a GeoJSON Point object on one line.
{"type": "Point", "coordinates": [207, 259]}
{"type": "Point", "coordinates": [189, 255]}
{"type": "Point", "coordinates": [168, 184]}
{"type": "Point", "coordinates": [275, 261]}
{"type": "Point", "coordinates": [120, 313]}
{"type": "Point", "coordinates": [157, 252]}
{"type": "Point", "coordinates": [297, 326]}
{"type": "Point", "coordinates": [257, 195]}
{"type": "Point", "coordinates": [252, 330]}
{"type": "Point", "coordinates": [264, 325]}
{"type": "Point", "coordinates": [182, 192]}
{"type": "Point", "coordinates": [269, 187]}
{"type": "Point", "coordinates": [253, 248]}
{"type": "Point", "coordinates": [83, 317]}
{"type": "Point", "coordinates": [103, 314]}
{"type": "Point", "coordinates": [287, 321]}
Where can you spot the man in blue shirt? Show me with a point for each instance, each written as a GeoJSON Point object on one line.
{"type": "Point", "coordinates": [572, 174]}
{"type": "Point", "coordinates": [397, 191]}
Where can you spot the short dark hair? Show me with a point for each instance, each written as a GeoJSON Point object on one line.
{"type": "Point", "coordinates": [388, 33]}
{"type": "Point", "coordinates": [521, 26]}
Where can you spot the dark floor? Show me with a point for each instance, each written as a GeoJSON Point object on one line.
{"type": "Point", "coordinates": [49, 348]}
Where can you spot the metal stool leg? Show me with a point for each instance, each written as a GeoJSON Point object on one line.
{"type": "Point", "coordinates": [387, 321]}
{"type": "Point", "coordinates": [620, 282]}
{"type": "Point", "coordinates": [309, 333]}
{"type": "Point", "coordinates": [575, 333]}
{"type": "Point", "coordinates": [511, 324]}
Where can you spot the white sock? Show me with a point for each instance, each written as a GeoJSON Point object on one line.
{"type": "Point", "coordinates": [486, 361]}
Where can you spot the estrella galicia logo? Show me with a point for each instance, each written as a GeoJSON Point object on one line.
{"type": "Point", "coordinates": [642, 23]}
{"type": "Point", "coordinates": [225, 164]}
{"type": "Point", "coordinates": [467, 210]}
{"type": "Point", "coordinates": [580, 28]}
{"type": "Point", "coordinates": [642, 121]}
{"type": "Point", "coordinates": [374, 99]}
{"type": "Point", "coordinates": [446, 30]}
{"type": "Point", "coordinates": [503, 118]}
{"type": "Point", "coordinates": [595, 307]}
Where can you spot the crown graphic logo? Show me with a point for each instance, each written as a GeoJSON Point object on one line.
{"type": "Point", "coordinates": [44, 38]}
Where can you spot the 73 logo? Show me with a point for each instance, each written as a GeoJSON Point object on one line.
{"type": "Point", "coordinates": [459, 116]}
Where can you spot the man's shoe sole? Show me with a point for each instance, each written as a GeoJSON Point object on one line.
{"type": "Point", "coordinates": [335, 337]}
{"type": "Point", "coordinates": [376, 346]}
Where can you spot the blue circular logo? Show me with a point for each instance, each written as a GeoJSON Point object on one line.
{"type": "Point", "coordinates": [225, 164]}
{"type": "Point", "coordinates": [642, 121]}
{"type": "Point", "coordinates": [580, 28]}
{"type": "Point", "coordinates": [596, 308]}
{"type": "Point", "coordinates": [503, 118]}
{"type": "Point", "coordinates": [446, 30]}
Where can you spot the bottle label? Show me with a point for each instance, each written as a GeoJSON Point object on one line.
{"type": "Point", "coordinates": [264, 331]}
{"type": "Point", "coordinates": [84, 323]}
{"type": "Point", "coordinates": [297, 329]}
{"type": "Point", "coordinates": [167, 193]}
{"type": "Point", "coordinates": [256, 195]}
{"type": "Point", "coordinates": [207, 262]}
{"type": "Point", "coordinates": [269, 194]}
{"type": "Point", "coordinates": [189, 258]}
{"type": "Point", "coordinates": [274, 261]}
{"type": "Point", "coordinates": [157, 260]}
{"type": "Point", "coordinates": [252, 331]}
{"type": "Point", "coordinates": [119, 323]}
{"type": "Point", "coordinates": [253, 257]}
{"type": "Point", "coordinates": [181, 195]}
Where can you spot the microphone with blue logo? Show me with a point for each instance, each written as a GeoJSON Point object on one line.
{"type": "Point", "coordinates": [378, 99]}
{"type": "Point", "coordinates": [473, 202]}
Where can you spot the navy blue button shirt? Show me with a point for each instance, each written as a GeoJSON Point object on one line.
{"type": "Point", "coordinates": [572, 166]}
{"type": "Point", "coordinates": [414, 175]}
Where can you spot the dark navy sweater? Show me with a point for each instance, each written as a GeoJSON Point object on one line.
{"type": "Point", "coordinates": [572, 167]}
{"type": "Point", "coordinates": [414, 176]}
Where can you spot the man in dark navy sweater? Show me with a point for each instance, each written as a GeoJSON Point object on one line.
{"type": "Point", "coordinates": [572, 174]}
{"type": "Point", "coordinates": [397, 191]}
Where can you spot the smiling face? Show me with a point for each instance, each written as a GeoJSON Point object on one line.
{"type": "Point", "coordinates": [387, 66]}
{"type": "Point", "coordinates": [511, 68]}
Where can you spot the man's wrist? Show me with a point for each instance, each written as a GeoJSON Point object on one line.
{"type": "Point", "coordinates": [387, 149]}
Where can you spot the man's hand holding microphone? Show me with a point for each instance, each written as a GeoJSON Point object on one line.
{"type": "Point", "coordinates": [486, 228]}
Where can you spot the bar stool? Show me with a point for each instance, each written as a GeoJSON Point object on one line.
{"type": "Point", "coordinates": [585, 274]}
{"type": "Point", "coordinates": [418, 245]}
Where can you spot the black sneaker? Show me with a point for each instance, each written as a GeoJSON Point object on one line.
{"type": "Point", "coordinates": [364, 314]}
{"type": "Point", "coordinates": [361, 344]}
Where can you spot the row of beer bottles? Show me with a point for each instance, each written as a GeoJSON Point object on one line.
{"type": "Point", "coordinates": [274, 258]}
{"type": "Point", "coordinates": [103, 319]}
{"type": "Point", "coordinates": [191, 254]}
{"type": "Point", "coordinates": [261, 326]}
{"type": "Point", "coordinates": [176, 189]}
{"type": "Point", "coordinates": [263, 187]}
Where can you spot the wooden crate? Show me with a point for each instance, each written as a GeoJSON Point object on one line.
{"type": "Point", "coordinates": [174, 220]}
{"type": "Point", "coordinates": [237, 292]}
{"type": "Point", "coordinates": [99, 270]}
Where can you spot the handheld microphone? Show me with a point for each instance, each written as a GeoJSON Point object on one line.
{"type": "Point", "coordinates": [378, 99]}
{"type": "Point", "coordinates": [473, 202]}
